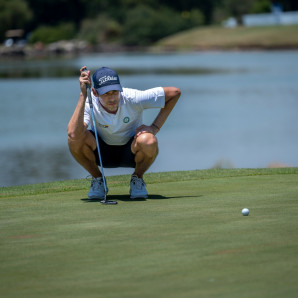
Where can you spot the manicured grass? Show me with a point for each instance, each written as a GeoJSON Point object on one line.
{"type": "Point", "coordinates": [188, 239]}
{"type": "Point", "coordinates": [206, 38]}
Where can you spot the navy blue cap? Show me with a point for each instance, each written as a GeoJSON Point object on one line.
{"type": "Point", "coordinates": [106, 79]}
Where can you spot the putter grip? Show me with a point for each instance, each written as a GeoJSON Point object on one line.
{"type": "Point", "coordinates": [89, 93]}
{"type": "Point", "coordinates": [89, 96]}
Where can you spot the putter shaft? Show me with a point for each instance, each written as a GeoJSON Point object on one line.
{"type": "Point", "coordinates": [105, 201]}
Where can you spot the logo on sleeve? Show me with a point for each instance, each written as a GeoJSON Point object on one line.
{"type": "Point", "coordinates": [126, 119]}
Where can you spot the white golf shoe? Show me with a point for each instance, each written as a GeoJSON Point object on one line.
{"type": "Point", "coordinates": [137, 188]}
{"type": "Point", "coordinates": [97, 190]}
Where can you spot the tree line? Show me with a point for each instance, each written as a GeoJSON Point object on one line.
{"type": "Point", "coordinates": [125, 22]}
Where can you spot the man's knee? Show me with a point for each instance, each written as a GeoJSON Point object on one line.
{"type": "Point", "coordinates": [147, 143]}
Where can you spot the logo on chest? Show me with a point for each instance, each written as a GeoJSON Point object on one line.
{"type": "Point", "coordinates": [126, 119]}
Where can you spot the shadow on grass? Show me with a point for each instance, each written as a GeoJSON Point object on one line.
{"type": "Point", "coordinates": [126, 198]}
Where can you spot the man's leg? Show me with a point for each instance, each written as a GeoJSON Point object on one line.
{"type": "Point", "coordinates": [145, 148]}
{"type": "Point", "coordinates": [83, 151]}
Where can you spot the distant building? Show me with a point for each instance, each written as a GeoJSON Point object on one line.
{"type": "Point", "coordinates": [13, 37]}
{"type": "Point", "coordinates": [276, 17]}
{"type": "Point", "coordinates": [230, 23]}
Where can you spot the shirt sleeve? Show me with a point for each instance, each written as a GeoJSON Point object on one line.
{"type": "Point", "coordinates": [150, 98]}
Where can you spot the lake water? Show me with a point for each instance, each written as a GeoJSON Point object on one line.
{"type": "Point", "coordinates": [237, 109]}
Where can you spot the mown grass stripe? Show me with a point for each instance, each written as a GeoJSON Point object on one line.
{"type": "Point", "coordinates": [150, 178]}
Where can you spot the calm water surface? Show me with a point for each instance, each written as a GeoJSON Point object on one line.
{"type": "Point", "coordinates": [238, 109]}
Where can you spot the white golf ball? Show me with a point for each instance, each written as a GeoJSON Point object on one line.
{"type": "Point", "coordinates": [245, 211]}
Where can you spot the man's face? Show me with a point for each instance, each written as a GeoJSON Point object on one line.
{"type": "Point", "coordinates": [110, 101]}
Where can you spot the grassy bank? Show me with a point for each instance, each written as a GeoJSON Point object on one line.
{"type": "Point", "coordinates": [208, 38]}
{"type": "Point", "coordinates": [188, 239]}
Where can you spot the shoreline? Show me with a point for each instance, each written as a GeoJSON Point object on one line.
{"type": "Point", "coordinates": [64, 51]}
{"type": "Point", "coordinates": [210, 38]}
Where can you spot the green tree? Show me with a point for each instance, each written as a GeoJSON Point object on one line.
{"type": "Point", "coordinates": [193, 17]}
{"type": "Point", "coordinates": [287, 5]}
{"type": "Point", "coordinates": [207, 7]}
{"type": "Point", "coordinates": [49, 34]}
{"type": "Point", "coordinates": [145, 25]}
{"type": "Point", "coordinates": [101, 29]}
{"type": "Point", "coordinates": [14, 14]}
{"type": "Point", "coordinates": [55, 12]}
{"type": "Point", "coordinates": [237, 8]}
{"type": "Point", "coordinates": [261, 6]}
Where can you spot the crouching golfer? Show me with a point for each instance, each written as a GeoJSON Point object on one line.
{"type": "Point", "coordinates": [123, 140]}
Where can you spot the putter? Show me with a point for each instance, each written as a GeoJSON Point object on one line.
{"type": "Point", "coordinates": [105, 201]}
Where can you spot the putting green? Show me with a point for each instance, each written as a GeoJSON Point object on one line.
{"type": "Point", "coordinates": [188, 239]}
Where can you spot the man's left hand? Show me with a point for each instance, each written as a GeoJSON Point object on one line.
{"type": "Point", "coordinates": [146, 129]}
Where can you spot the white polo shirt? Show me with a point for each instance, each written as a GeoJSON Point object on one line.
{"type": "Point", "coordinates": [117, 129]}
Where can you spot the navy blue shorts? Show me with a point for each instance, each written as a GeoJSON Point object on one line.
{"type": "Point", "coordinates": [115, 156]}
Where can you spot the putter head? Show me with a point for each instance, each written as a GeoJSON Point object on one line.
{"type": "Point", "coordinates": [108, 202]}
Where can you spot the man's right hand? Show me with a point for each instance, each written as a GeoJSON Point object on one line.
{"type": "Point", "coordinates": [84, 79]}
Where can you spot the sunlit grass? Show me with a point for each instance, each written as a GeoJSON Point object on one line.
{"type": "Point", "coordinates": [188, 239]}
{"type": "Point", "coordinates": [273, 37]}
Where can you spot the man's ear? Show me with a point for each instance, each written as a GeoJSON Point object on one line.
{"type": "Point", "coordinates": [95, 93]}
